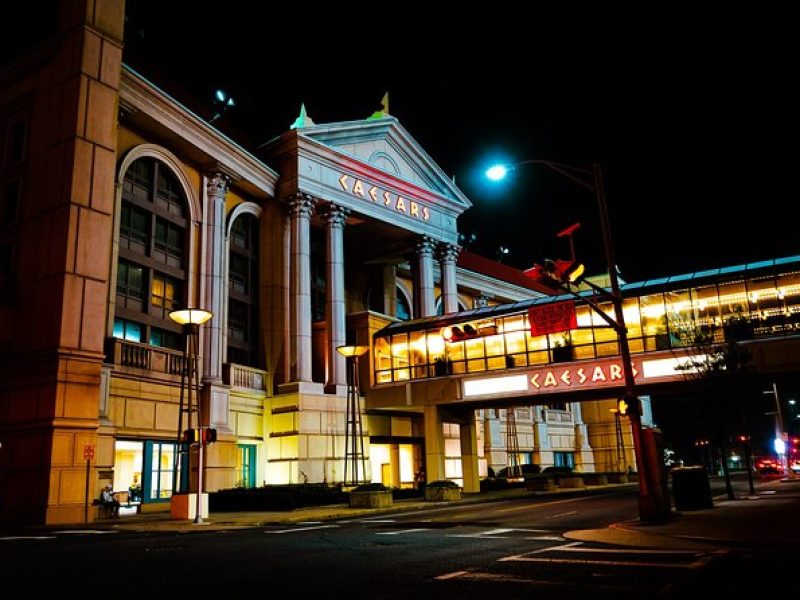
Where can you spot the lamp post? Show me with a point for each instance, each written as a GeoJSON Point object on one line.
{"type": "Point", "coordinates": [651, 506]}
{"type": "Point", "coordinates": [353, 433]}
{"type": "Point", "coordinates": [781, 437]}
{"type": "Point", "coordinates": [191, 319]}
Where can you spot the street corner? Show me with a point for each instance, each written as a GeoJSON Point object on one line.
{"type": "Point", "coordinates": [626, 534]}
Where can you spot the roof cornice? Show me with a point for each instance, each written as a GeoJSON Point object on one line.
{"type": "Point", "coordinates": [142, 96]}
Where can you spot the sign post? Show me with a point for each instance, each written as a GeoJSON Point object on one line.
{"type": "Point", "coordinates": [88, 455]}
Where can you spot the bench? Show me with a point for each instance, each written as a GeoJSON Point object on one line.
{"type": "Point", "coordinates": [104, 510]}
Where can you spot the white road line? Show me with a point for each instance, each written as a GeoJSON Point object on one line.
{"type": "Point", "coordinates": [564, 514]}
{"type": "Point", "coordinates": [297, 529]}
{"type": "Point", "coordinates": [574, 547]}
{"type": "Point", "coordinates": [495, 531]}
{"type": "Point", "coordinates": [309, 522]}
{"type": "Point", "coordinates": [540, 550]}
{"type": "Point", "coordinates": [622, 550]}
{"type": "Point", "coordinates": [82, 531]}
{"type": "Point", "coordinates": [451, 575]}
{"type": "Point", "coordinates": [380, 521]}
{"type": "Point", "coordinates": [13, 538]}
{"type": "Point", "coordinates": [552, 538]}
{"type": "Point", "coordinates": [401, 531]}
{"type": "Point", "coordinates": [618, 563]}
{"type": "Point", "coordinates": [504, 578]}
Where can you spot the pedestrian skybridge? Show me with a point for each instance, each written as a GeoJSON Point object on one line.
{"type": "Point", "coordinates": [487, 353]}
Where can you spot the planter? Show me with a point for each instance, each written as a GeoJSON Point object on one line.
{"type": "Point", "coordinates": [371, 499]}
{"type": "Point", "coordinates": [442, 494]}
{"type": "Point", "coordinates": [570, 481]}
{"type": "Point", "coordinates": [540, 484]}
{"type": "Point", "coordinates": [184, 506]}
{"type": "Point", "coordinates": [616, 477]}
{"type": "Point", "coordinates": [594, 478]}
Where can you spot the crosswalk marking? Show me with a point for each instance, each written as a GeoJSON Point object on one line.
{"type": "Point", "coordinates": [693, 560]}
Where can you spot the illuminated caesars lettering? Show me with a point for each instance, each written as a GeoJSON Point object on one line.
{"type": "Point", "coordinates": [590, 376]}
{"type": "Point", "coordinates": [398, 203]}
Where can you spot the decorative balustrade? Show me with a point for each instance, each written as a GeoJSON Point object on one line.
{"type": "Point", "coordinates": [558, 416]}
{"type": "Point", "coordinates": [248, 378]}
{"type": "Point", "coordinates": [133, 355]}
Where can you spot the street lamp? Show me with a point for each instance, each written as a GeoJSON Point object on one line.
{"type": "Point", "coordinates": [353, 433]}
{"type": "Point", "coordinates": [191, 319]}
{"type": "Point", "coordinates": [781, 436]}
{"type": "Point", "coordinates": [651, 506]}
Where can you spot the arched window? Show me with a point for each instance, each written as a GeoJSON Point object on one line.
{"type": "Point", "coordinates": [243, 338]}
{"type": "Point", "coordinates": [151, 265]}
{"type": "Point", "coordinates": [403, 310]}
{"type": "Point", "coordinates": [440, 307]}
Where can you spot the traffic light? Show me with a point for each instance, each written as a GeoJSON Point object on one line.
{"type": "Point", "coordinates": [191, 436]}
{"type": "Point", "coordinates": [456, 334]}
{"type": "Point", "coordinates": [209, 435]}
{"type": "Point", "coordinates": [626, 409]}
{"type": "Point", "coordinates": [555, 274]}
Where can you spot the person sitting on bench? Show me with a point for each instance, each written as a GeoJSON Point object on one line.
{"type": "Point", "coordinates": [107, 499]}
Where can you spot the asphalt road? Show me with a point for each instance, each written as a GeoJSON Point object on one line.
{"type": "Point", "coordinates": [510, 547]}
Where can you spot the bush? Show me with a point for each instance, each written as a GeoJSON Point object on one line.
{"type": "Point", "coordinates": [275, 497]}
{"type": "Point", "coordinates": [526, 469]}
{"type": "Point", "coordinates": [442, 483]}
{"type": "Point", "coordinates": [558, 470]}
{"type": "Point", "coordinates": [371, 487]}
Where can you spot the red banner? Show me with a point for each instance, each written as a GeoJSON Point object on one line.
{"type": "Point", "coordinates": [552, 318]}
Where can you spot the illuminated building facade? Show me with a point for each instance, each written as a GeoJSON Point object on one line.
{"type": "Point", "coordinates": [120, 204]}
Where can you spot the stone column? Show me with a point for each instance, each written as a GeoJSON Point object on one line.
{"type": "Point", "coordinates": [214, 299]}
{"type": "Point", "coordinates": [469, 454]}
{"type": "Point", "coordinates": [434, 444]}
{"type": "Point", "coordinates": [448, 253]}
{"type": "Point", "coordinates": [423, 285]}
{"type": "Point", "coordinates": [335, 217]}
{"type": "Point", "coordinates": [300, 208]}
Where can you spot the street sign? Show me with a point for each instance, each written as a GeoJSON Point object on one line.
{"type": "Point", "coordinates": [552, 318]}
{"type": "Point", "coordinates": [88, 451]}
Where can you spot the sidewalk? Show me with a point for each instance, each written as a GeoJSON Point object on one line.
{"type": "Point", "coordinates": [770, 519]}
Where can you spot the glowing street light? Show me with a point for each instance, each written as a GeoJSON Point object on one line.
{"type": "Point", "coordinates": [353, 433]}
{"type": "Point", "coordinates": [652, 507]}
{"type": "Point", "coordinates": [191, 319]}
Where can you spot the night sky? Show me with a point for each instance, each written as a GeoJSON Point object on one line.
{"type": "Point", "coordinates": [693, 120]}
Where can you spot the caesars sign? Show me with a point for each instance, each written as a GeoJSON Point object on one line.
{"type": "Point", "coordinates": [373, 193]}
{"type": "Point", "coordinates": [590, 375]}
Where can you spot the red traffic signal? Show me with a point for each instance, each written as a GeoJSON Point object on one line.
{"type": "Point", "coordinates": [555, 274]}
{"type": "Point", "coordinates": [209, 435]}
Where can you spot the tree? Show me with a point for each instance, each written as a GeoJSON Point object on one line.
{"type": "Point", "coordinates": [725, 397]}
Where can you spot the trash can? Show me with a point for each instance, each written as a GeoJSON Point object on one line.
{"type": "Point", "coordinates": [691, 489]}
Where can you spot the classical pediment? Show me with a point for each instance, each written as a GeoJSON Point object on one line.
{"type": "Point", "coordinates": [385, 144]}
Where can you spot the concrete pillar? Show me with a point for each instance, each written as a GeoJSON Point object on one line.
{"type": "Point", "coordinates": [423, 284]}
{"type": "Point", "coordinates": [469, 454]}
{"type": "Point", "coordinates": [434, 444]}
{"type": "Point", "coordinates": [448, 253]}
{"type": "Point", "coordinates": [213, 299]}
{"type": "Point", "coordinates": [335, 217]}
{"type": "Point", "coordinates": [301, 207]}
